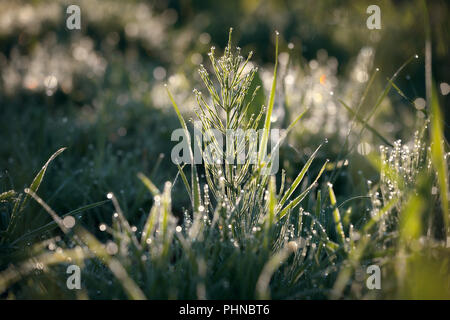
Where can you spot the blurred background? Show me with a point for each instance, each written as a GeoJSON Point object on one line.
{"type": "Point", "coordinates": [99, 90]}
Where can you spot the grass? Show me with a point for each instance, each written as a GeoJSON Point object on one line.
{"type": "Point", "coordinates": [224, 231]}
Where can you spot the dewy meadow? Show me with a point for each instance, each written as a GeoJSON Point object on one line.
{"type": "Point", "coordinates": [309, 164]}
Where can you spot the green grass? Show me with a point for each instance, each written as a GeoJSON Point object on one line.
{"type": "Point", "coordinates": [149, 229]}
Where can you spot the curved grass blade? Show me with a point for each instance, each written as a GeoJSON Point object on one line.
{"type": "Point", "coordinates": [373, 220]}
{"type": "Point", "coordinates": [38, 179]}
{"type": "Point", "coordinates": [365, 124]}
{"type": "Point", "coordinates": [149, 184]}
{"type": "Point", "coordinates": [52, 225]}
{"type": "Point", "coordinates": [262, 285]}
{"type": "Point", "coordinates": [336, 216]}
{"type": "Point", "coordinates": [96, 248]}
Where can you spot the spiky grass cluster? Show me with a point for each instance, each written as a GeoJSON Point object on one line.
{"type": "Point", "coordinates": [248, 240]}
{"type": "Point", "coordinates": [400, 169]}
{"type": "Point", "coordinates": [235, 186]}
{"type": "Point", "coordinates": [409, 169]}
{"type": "Point", "coordinates": [406, 162]}
{"type": "Point", "coordinates": [228, 246]}
{"type": "Point", "coordinates": [241, 192]}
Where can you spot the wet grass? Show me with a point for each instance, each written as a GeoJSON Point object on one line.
{"type": "Point", "coordinates": [218, 232]}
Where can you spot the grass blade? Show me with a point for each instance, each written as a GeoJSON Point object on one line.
{"type": "Point", "coordinates": [299, 198]}
{"type": "Point", "coordinates": [298, 179]}
{"type": "Point", "coordinates": [438, 157]}
{"type": "Point", "coordinates": [196, 200]}
{"type": "Point", "coordinates": [265, 138]}
{"type": "Point", "coordinates": [365, 124]}
{"type": "Point", "coordinates": [336, 216]}
{"type": "Point", "coordinates": [40, 176]}
{"type": "Point", "coordinates": [149, 184]}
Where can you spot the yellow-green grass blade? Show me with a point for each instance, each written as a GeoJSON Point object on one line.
{"type": "Point", "coordinates": [262, 285]}
{"type": "Point", "coordinates": [298, 179]}
{"type": "Point", "coordinates": [40, 176]}
{"type": "Point", "coordinates": [336, 216]}
{"type": "Point", "coordinates": [383, 211]}
{"type": "Point", "coordinates": [411, 218]}
{"type": "Point", "coordinates": [185, 181]}
{"type": "Point", "coordinates": [302, 196]}
{"type": "Point", "coordinates": [265, 137]}
{"type": "Point", "coordinates": [438, 156]}
{"type": "Point", "coordinates": [149, 184]}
